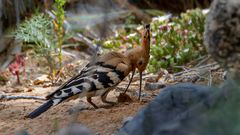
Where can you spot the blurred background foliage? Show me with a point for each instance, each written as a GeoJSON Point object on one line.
{"type": "Point", "coordinates": [45, 35]}
{"type": "Point", "coordinates": [92, 26]}
{"type": "Point", "coordinates": [175, 40]}
{"type": "Point", "coordinates": [46, 28]}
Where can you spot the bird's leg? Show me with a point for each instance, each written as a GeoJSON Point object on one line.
{"type": "Point", "coordinates": [89, 100]}
{"type": "Point", "coordinates": [133, 72]}
{"type": "Point", "coordinates": [104, 96]}
{"type": "Point", "coordinates": [140, 90]}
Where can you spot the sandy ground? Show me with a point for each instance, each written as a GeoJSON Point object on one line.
{"type": "Point", "coordinates": [104, 121]}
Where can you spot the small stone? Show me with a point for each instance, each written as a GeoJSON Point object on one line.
{"type": "Point", "coordinates": [143, 94]}
{"type": "Point", "coordinates": [126, 120]}
{"type": "Point", "coordinates": [75, 129]}
{"type": "Point", "coordinates": [154, 86]}
{"type": "Point", "coordinates": [41, 80]}
{"type": "Point", "coordinates": [22, 132]}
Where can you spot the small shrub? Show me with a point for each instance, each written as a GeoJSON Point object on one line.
{"type": "Point", "coordinates": [37, 35]}
{"type": "Point", "coordinates": [58, 25]}
{"type": "Point", "coordinates": [45, 36]}
{"type": "Point", "coordinates": [175, 41]}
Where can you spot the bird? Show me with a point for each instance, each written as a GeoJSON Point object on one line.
{"type": "Point", "coordinates": [101, 75]}
{"type": "Point", "coordinates": [221, 35]}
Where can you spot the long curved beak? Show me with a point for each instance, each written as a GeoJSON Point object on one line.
{"type": "Point", "coordinates": [140, 90]}
{"type": "Point", "coordinates": [133, 72]}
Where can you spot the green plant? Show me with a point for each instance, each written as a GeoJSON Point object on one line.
{"type": "Point", "coordinates": [45, 35]}
{"type": "Point", "coordinates": [177, 41]}
{"type": "Point", "coordinates": [58, 25]}
{"type": "Point", "coordinates": [37, 35]}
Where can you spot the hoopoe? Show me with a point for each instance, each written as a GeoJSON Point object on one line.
{"type": "Point", "coordinates": [101, 76]}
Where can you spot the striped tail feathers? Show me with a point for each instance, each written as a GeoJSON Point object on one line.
{"type": "Point", "coordinates": [56, 99]}
{"type": "Point", "coordinates": [41, 109]}
{"type": "Point", "coordinates": [74, 86]}
{"type": "Point", "coordinates": [97, 76]}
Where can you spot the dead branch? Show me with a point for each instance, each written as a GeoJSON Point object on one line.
{"type": "Point", "coordinates": [195, 69]}
{"type": "Point", "coordinates": [203, 61]}
{"type": "Point", "coordinates": [188, 75]}
{"type": "Point", "coordinates": [93, 47]}
{"type": "Point", "coordinates": [11, 97]}
{"type": "Point", "coordinates": [197, 73]}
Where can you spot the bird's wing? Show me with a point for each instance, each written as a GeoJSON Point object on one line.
{"type": "Point", "coordinates": [107, 71]}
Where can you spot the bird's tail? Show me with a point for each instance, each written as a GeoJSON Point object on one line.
{"type": "Point", "coordinates": [57, 97]}
{"type": "Point", "coordinates": [43, 108]}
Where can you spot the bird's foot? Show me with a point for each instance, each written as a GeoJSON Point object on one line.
{"type": "Point", "coordinates": [123, 97]}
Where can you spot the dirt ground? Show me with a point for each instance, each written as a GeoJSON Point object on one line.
{"type": "Point", "coordinates": [104, 121]}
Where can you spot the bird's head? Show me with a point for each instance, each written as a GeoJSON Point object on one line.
{"type": "Point", "coordinates": [146, 38]}
{"type": "Point", "coordinates": [143, 55]}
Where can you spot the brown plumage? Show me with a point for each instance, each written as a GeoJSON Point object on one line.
{"type": "Point", "coordinates": [101, 76]}
{"type": "Point", "coordinates": [140, 57]}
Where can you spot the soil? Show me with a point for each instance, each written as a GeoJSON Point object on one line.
{"type": "Point", "coordinates": [104, 121]}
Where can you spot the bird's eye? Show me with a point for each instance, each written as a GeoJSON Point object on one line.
{"type": "Point", "coordinates": [140, 63]}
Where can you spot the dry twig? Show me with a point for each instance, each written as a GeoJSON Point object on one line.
{"type": "Point", "coordinates": [11, 97]}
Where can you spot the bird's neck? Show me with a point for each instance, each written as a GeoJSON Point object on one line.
{"type": "Point", "coordinates": [135, 54]}
{"type": "Point", "coordinates": [146, 46]}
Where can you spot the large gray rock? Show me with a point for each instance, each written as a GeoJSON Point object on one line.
{"type": "Point", "coordinates": [164, 113]}
{"type": "Point", "coordinates": [189, 109]}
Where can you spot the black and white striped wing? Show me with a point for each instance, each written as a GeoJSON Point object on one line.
{"type": "Point", "coordinates": [93, 77]}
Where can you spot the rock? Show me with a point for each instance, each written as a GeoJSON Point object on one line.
{"type": "Point", "coordinates": [143, 94]}
{"type": "Point", "coordinates": [22, 132]}
{"type": "Point", "coordinates": [161, 114]}
{"type": "Point", "coordinates": [41, 80]}
{"type": "Point", "coordinates": [75, 129]}
{"type": "Point", "coordinates": [154, 86]}
{"type": "Point", "coordinates": [189, 109]}
{"type": "Point", "coordinates": [222, 36]}
{"type": "Point", "coordinates": [126, 120]}
{"type": "Point", "coordinates": [77, 108]}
